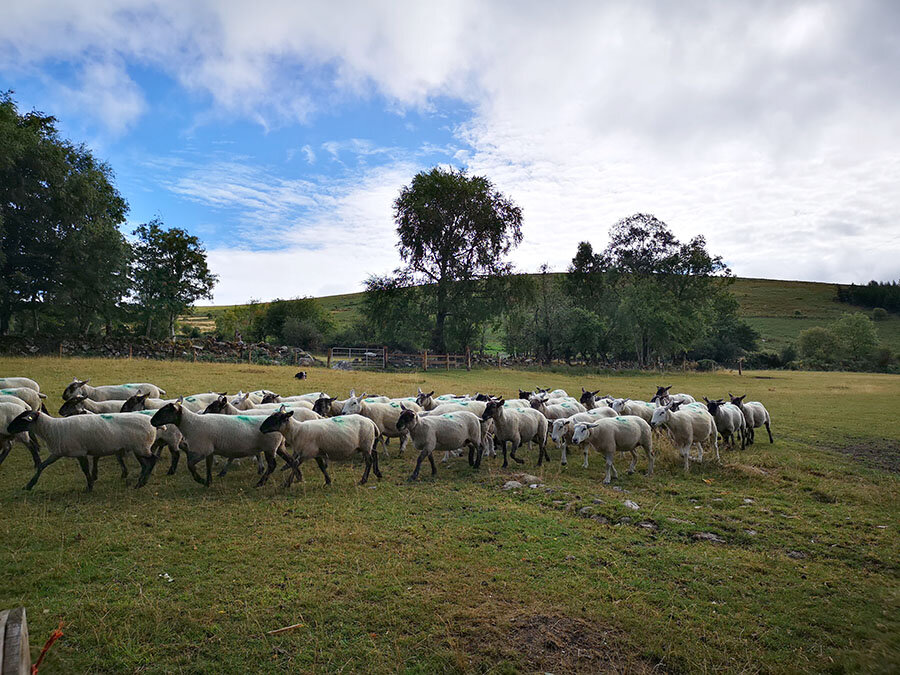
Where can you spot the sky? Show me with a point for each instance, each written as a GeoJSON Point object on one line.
{"type": "Point", "coordinates": [281, 132]}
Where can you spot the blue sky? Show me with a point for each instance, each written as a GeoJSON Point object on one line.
{"type": "Point", "coordinates": [280, 133]}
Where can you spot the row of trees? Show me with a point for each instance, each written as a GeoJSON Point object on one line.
{"type": "Point", "coordinates": [850, 343]}
{"type": "Point", "coordinates": [646, 296]}
{"type": "Point", "coordinates": [65, 266]}
{"type": "Point", "coordinates": [301, 322]}
{"type": "Point", "coordinates": [877, 294]}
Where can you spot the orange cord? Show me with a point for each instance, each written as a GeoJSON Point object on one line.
{"type": "Point", "coordinates": [54, 636]}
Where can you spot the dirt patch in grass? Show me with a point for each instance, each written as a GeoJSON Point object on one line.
{"type": "Point", "coordinates": [544, 640]}
{"type": "Point", "coordinates": [882, 453]}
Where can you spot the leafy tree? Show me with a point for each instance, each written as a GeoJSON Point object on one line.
{"type": "Point", "coordinates": [819, 346]}
{"type": "Point", "coordinates": [170, 272]}
{"type": "Point", "coordinates": [454, 229]}
{"type": "Point", "coordinates": [54, 195]}
{"type": "Point", "coordinates": [240, 320]}
{"type": "Point", "coordinates": [273, 322]}
{"type": "Point", "coordinates": [394, 309]}
{"type": "Point", "coordinates": [857, 338]}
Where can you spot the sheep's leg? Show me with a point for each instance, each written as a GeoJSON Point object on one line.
{"type": "Point", "coordinates": [649, 453]}
{"type": "Point", "coordinates": [368, 457]}
{"type": "Point", "coordinates": [585, 449]}
{"type": "Point", "coordinates": [209, 463]}
{"type": "Point", "coordinates": [323, 467]}
{"type": "Point", "coordinates": [270, 467]}
{"type": "Point", "coordinates": [471, 454]}
{"type": "Point", "coordinates": [446, 457]}
{"type": "Point", "coordinates": [700, 451]}
{"type": "Point", "coordinates": [40, 469]}
{"type": "Point", "coordinates": [433, 467]}
{"type": "Point", "coordinates": [295, 472]}
{"type": "Point", "coordinates": [147, 464]}
{"type": "Point", "coordinates": [95, 459]}
{"type": "Point", "coordinates": [174, 464]}
{"type": "Point", "coordinates": [192, 461]}
{"type": "Point", "coordinates": [716, 447]}
{"type": "Point", "coordinates": [633, 461]}
{"type": "Point", "coordinates": [512, 452]}
{"type": "Point", "coordinates": [503, 447]}
{"type": "Point", "coordinates": [225, 468]}
{"type": "Point", "coordinates": [86, 468]}
{"type": "Point", "coordinates": [120, 456]}
{"type": "Point", "coordinates": [375, 468]}
{"type": "Point", "coordinates": [384, 440]}
{"type": "Point", "coordinates": [404, 439]}
{"type": "Point", "coordinates": [415, 474]}
{"type": "Point", "coordinates": [769, 429]}
{"type": "Point", "coordinates": [7, 446]}
{"type": "Point", "coordinates": [34, 448]}
{"type": "Point", "coordinates": [610, 467]}
{"type": "Point", "coordinates": [686, 454]}
{"type": "Point", "coordinates": [261, 463]}
{"type": "Point", "coordinates": [563, 459]}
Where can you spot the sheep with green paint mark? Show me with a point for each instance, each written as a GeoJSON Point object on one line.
{"type": "Point", "coordinates": [229, 436]}
{"type": "Point", "coordinates": [554, 409]}
{"type": "Point", "coordinates": [108, 392]}
{"type": "Point", "coordinates": [561, 429]}
{"type": "Point", "coordinates": [32, 398]}
{"type": "Point", "coordinates": [336, 438]}
{"type": "Point", "coordinates": [447, 431]}
{"type": "Point", "coordinates": [16, 382]}
{"type": "Point", "coordinates": [687, 425]}
{"type": "Point", "coordinates": [615, 434]}
{"type": "Point", "coordinates": [10, 408]}
{"type": "Point", "coordinates": [627, 406]}
{"type": "Point", "coordinates": [385, 416]}
{"type": "Point", "coordinates": [517, 426]}
{"type": "Point", "coordinates": [84, 436]}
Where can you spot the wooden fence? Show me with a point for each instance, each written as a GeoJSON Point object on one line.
{"type": "Point", "coordinates": [381, 358]}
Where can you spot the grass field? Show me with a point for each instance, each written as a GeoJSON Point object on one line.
{"type": "Point", "coordinates": [779, 310]}
{"type": "Point", "coordinates": [453, 574]}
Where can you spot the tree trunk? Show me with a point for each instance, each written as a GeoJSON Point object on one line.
{"type": "Point", "coordinates": [149, 325]}
{"type": "Point", "coordinates": [172, 326]}
{"type": "Point", "coordinates": [437, 340]}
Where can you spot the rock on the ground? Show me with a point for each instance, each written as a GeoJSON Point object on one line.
{"type": "Point", "coordinates": [708, 536]}
{"type": "Point", "coordinates": [512, 485]}
{"type": "Point", "coordinates": [631, 505]}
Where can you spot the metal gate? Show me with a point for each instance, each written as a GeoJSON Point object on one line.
{"type": "Point", "coordinates": [357, 357]}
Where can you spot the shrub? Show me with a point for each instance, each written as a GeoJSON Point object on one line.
{"type": "Point", "coordinates": [856, 337]}
{"type": "Point", "coordinates": [788, 353]}
{"type": "Point", "coordinates": [707, 365]}
{"type": "Point", "coordinates": [301, 333]}
{"type": "Point", "coordinates": [762, 360]}
{"type": "Point", "coordinates": [818, 344]}
{"type": "Point", "coordinates": [883, 357]}
{"type": "Point", "coordinates": [879, 314]}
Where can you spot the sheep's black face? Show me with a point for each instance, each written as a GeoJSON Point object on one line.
{"type": "Point", "coordinates": [491, 409]}
{"type": "Point", "coordinates": [168, 414]}
{"type": "Point", "coordinates": [322, 406]}
{"type": "Point", "coordinates": [301, 375]}
{"type": "Point", "coordinates": [587, 397]}
{"type": "Point", "coordinates": [524, 395]}
{"type": "Point", "coordinates": [482, 397]}
{"type": "Point", "coordinates": [737, 400]}
{"type": "Point", "coordinates": [421, 397]}
{"type": "Point", "coordinates": [275, 421]}
{"type": "Point", "coordinates": [135, 403]}
{"type": "Point", "coordinates": [22, 422]}
{"type": "Point", "coordinates": [675, 405]}
{"type": "Point", "coordinates": [72, 407]}
{"type": "Point", "coordinates": [72, 390]}
{"type": "Point", "coordinates": [536, 403]}
{"type": "Point", "coordinates": [270, 398]}
{"type": "Point", "coordinates": [405, 419]}
{"type": "Point", "coordinates": [217, 407]}
{"type": "Point", "coordinates": [712, 406]}
{"type": "Point", "coordinates": [661, 393]}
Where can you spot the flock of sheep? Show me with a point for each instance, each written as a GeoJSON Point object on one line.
{"type": "Point", "coordinates": [115, 420]}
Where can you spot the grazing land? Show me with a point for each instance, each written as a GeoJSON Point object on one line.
{"type": "Point", "coordinates": [784, 557]}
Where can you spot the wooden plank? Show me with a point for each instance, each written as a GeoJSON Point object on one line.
{"type": "Point", "coordinates": [16, 653]}
{"type": "Point", "coordinates": [3, 615]}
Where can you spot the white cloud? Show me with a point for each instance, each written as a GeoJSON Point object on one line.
{"type": "Point", "coordinates": [773, 128]}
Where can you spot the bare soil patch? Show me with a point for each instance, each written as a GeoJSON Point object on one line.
{"type": "Point", "coordinates": [882, 453]}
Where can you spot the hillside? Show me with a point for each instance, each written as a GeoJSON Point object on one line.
{"type": "Point", "coordinates": [779, 310]}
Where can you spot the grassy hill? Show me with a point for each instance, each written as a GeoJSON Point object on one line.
{"type": "Point", "coordinates": [779, 310]}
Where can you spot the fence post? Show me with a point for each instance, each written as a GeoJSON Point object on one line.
{"type": "Point", "coordinates": [60, 350]}
{"type": "Point", "coordinates": [194, 353]}
{"type": "Point", "coordinates": [498, 360]}
{"type": "Point", "coordinates": [130, 351]}
{"type": "Point", "coordinates": [328, 364]}
{"type": "Point", "coordinates": [425, 360]}
{"type": "Point", "coordinates": [468, 359]}
{"type": "Point", "coordinates": [384, 357]}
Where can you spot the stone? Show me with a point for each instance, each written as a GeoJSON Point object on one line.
{"type": "Point", "coordinates": [631, 505]}
{"type": "Point", "coordinates": [512, 485]}
{"type": "Point", "coordinates": [708, 536]}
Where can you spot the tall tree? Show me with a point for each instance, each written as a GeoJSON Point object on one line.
{"type": "Point", "coordinates": [170, 272]}
{"type": "Point", "coordinates": [454, 230]}
{"type": "Point", "coordinates": [53, 193]}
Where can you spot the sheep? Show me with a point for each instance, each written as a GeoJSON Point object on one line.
{"type": "Point", "coordinates": [9, 410]}
{"type": "Point", "coordinates": [663, 397]}
{"type": "Point", "coordinates": [337, 438]}
{"type": "Point", "coordinates": [466, 405]}
{"type": "Point", "coordinates": [446, 432]}
{"type": "Point", "coordinates": [429, 401]}
{"type": "Point", "coordinates": [16, 382]}
{"type": "Point", "coordinates": [79, 404]}
{"type": "Point", "coordinates": [83, 436]}
{"type": "Point", "coordinates": [755, 415]}
{"type": "Point", "coordinates": [109, 392]}
{"type": "Point", "coordinates": [561, 429]}
{"type": "Point", "coordinates": [553, 411]}
{"type": "Point", "coordinates": [300, 375]}
{"type": "Point", "coordinates": [258, 397]}
{"type": "Point", "coordinates": [272, 399]}
{"type": "Point", "coordinates": [197, 403]}
{"type": "Point", "coordinates": [385, 416]}
{"type": "Point", "coordinates": [729, 421]}
{"type": "Point", "coordinates": [168, 436]}
{"type": "Point", "coordinates": [517, 426]}
{"type": "Point", "coordinates": [627, 406]}
{"type": "Point", "coordinates": [620, 433]}
{"type": "Point", "coordinates": [224, 435]}
{"type": "Point", "coordinates": [33, 398]}
{"type": "Point", "coordinates": [688, 425]}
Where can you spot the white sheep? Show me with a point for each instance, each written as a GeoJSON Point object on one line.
{"type": "Point", "coordinates": [16, 382]}
{"type": "Point", "coordinates": [447, 431]}
{"type": "Point", "coordinates": [142, 401]}
{"type": "Point", "coordinates": [553, 410]}
{"type": "Point", "coordinates": [517, 426]}
{"type": "Point", "coordinates": [616, 434]}
{"type": "Point", "coordinates": [109, 391]}
{"type": "Point", "coordinates": [729, 421]}
{"type": "Point", "coordinates": [337, 438]}
{"type": "Point", "coordinates": [686, 426]}
{"type": "Point", "coordinates": [10, 410]}
{"type": "Point", "coordinates": [385, 416]}
{"type": "Point", "coordinates": [561, 429]}
{"type": "Point", "coordinates": [590, 400]}
{"type": "Point", "coordinates": [755, 415]}
{"type": "Point", "coordinates": [33, 398]}
{"type": "Point", "coordinates": [83, 436]}
{"type": "Point", "coordinates": [79, 404]}
{"type": "Point", "coordinates": [627, 406]}
{"type": "Point", "coordinates": [229, 436]}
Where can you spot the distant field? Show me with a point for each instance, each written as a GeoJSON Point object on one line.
{"type": "Point", "coordinates": [779, 310]}
{"type": "Point", "coordinates": [453, 574]}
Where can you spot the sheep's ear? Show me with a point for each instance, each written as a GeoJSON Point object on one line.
{"type": "Point", "coordinates": [706, 399]}
{"type": "Point", "coordinates": [594, 393]}
{"type": "Point", "coordinates": [282, 408]}
{"type": "Point", "coordinates": [403, 407]}
{"type": "Point", "coordinates": [84, 382]}
{"type": "Point", "coordinates": [289, 413]}
{"type": "Point", "coordinates": [431, 393]}
{"type": "Point", "coordinates": [353, 393]}
{"type": "Point", "coordinates": [419, 389]}
{"type": "Point", "coordinates": [583, 390]}
{"type": "Point", "coordinates": [501, 401]}
{"type": "Point", "coordinates": [363, 395]}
